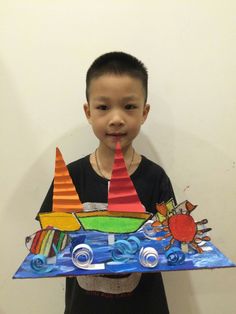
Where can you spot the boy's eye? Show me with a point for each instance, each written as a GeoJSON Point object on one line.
{"type": "Point", "coordinates": [102, 107]}
{"type": "Point", "coordinates": [130, 106]}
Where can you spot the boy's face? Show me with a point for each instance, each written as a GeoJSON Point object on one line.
{"type": "Point", "coordinates": [116, 109]}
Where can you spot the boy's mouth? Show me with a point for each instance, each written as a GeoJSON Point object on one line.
{"type": "Point", "coordinates": [116, 134]}
{"type": "Point", "coordinates": [114, 137]}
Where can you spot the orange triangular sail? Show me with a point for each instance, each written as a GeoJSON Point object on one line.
{"type": "Point", "coordinates": [122, 196]}
{"type": "Point", "coordinates": [65, 196]}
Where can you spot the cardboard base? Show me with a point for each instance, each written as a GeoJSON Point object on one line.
{"type": "Point", "coordinates": [62, 265]}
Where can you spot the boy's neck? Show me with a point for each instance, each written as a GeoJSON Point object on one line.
{"type": "Point", "coordinates": [103, 158]}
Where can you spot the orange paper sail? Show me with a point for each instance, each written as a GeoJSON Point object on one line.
{"type": "Point", "coordinates": [65, 197]}
{"type": "Point", "coordinates": [122, 195]}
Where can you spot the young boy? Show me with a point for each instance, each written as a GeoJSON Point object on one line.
{"type": "Point", "coordinates": [116, 108]}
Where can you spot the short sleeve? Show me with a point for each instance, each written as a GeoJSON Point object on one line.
{"type": "Point", "coordinates": [166, 190]}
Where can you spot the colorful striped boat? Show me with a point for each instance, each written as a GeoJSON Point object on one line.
{"type": "Point", "coordinates": [47, 242]}
{"type": "Point", "coordinates": [124, 213]}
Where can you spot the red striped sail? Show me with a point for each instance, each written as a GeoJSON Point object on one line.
{"type": "Point", "coordinates": [65, 196]}
{"type": "Point", "coordinates": [122, 196]}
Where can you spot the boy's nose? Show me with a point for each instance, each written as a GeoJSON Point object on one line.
{"type": "Point", "coordinates": [116, 119]}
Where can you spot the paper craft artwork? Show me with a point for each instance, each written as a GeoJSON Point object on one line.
{"type": "Point", "coordinates": [124, 213]}
{"type": "Point", "coordinates": [66, 201]}
{"type": "Point", "coordinates": [120, 238]}
{"type": "Point", "coordinates": [180, 225]}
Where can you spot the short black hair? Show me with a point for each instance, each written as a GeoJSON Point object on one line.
{"type": "Point", "coordinates": [117, 63]}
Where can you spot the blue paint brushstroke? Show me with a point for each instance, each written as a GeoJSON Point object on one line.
{"type": "Point", "coordinates": [212, 258]}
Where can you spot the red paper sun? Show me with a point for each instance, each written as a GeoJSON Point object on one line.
{"type": "Point", "coordinates": [180, 225]}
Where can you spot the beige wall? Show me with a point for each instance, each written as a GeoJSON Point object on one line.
{"type": "Point", "coordinates": [189, 48]}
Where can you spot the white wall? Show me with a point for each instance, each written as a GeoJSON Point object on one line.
{"type": "Point", "coordinates": [189, 48]}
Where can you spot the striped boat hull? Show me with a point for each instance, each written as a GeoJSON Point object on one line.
{"type": "Point", "coordinates": [47, 242]}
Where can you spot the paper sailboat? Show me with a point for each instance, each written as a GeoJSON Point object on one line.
{"type": "Point", "coordinates": [66, 200]}
{"type": "Point", "coordinates": [124, 214]}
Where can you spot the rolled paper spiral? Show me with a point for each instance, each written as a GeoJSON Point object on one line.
{"type": "Point", "coordinates": [123, 250]}
{"type": "Point", "coordinates": [175, 256]}
{"type": "Point", "coordinates": [82, 255]}
{"type": "Point", "coordinates": [148, 257]}
{"type": "Point", "coordinates": [38, 263]}
{"type": "Point", "coordinates": [135, 244]}
{"type": "Point", "coordinates": [148, 229]}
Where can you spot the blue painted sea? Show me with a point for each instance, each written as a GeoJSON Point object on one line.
{"type": "Point", "coordinates": [102, 257]}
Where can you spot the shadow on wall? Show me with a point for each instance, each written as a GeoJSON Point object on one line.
{"type": "Point", "coordinates": [180, 293]}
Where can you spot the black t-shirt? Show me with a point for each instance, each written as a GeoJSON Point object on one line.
{"type": "Point", "coordinates": [153, 186]}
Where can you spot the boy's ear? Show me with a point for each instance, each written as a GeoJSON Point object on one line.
{"type": "Point", "coordinates": [146, 109]}
{"type": "Point", "coordinates": [87, 112]}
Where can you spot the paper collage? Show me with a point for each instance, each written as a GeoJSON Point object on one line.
{"type": "Point", "coordinates": [121, 238]}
